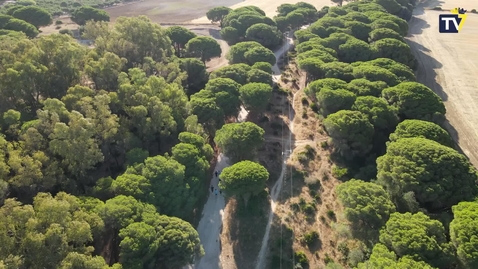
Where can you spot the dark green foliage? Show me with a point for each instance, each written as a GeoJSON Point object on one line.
{"type": "Point", "coordinates": [84, 14]}
{"type": "Point", "coordinates": [266, 35]}
{"type": "Point", "coordinates": [355, 50]}
{"type": "Point", "coordinates": [367, 205]}
{"type": "Point", "coordinates": [180, 36]}
{"type": "Point", "coordinates": [255, 96]}
{"type": "Point", "coordinates": [381, 257]}
{"type": "Point", "coordinates": [364, 87]}
{"type": "Point", "coordinates": [328, 83]}
{"type": "Point", "coordinates": [322, 55]}
{"type": "Point", "coordinates": [33, 15]}
{"type": "Point", "coordinates": [256, 75]}
{"type": "Point", "coordinates": [424, 167]}
{"type": "Point", "coordinates": [21, 26]}
{"type": "Point", "coordinates": [264, 66]}
{"type": "Point", "coordinates": [218, 14]}
{"type": "Point", "coordinates": [396, 50]}
{"type": "Point", "coordinates": [420, 128]}
{"type": "Point", "coordinates": [197, 74]}
{"type": "Point", "coordinates": [304, 35]}
{"type": "Point", "coordinates": [203, 47]}
{"type": "Point", "coordinates": [415, 101]}
{"type": "Point", "coordinates": [380, 114]}
{"type": "Point", "coordinates": [240, 141]}
{"type": "Point", "coordinates": [331, 101]}
{"type": "Point", "coordinates": [236, 72]}
{"type": "Point", "coordinates": [351, 132]}
{"type": "Point", "coordinates": [374, 73]}
{"type": "Point", "coordinates": [387, 24]}
{"type": "Point", "coordinates": [417, 236]}
{"type": "Point", "coordinates": [244, 179]}
{"type": "Point", "coordinates": [403, 72]}
{"type": "Point", "coordinates": [230, 35]}
{"type": "Point", "coordinates": [359, 30]}
{"type": "Point", "coordinates": [463, 232]}
{"type": "Point", "coordinates": [381, 33]}
{"type": "Point", "coordinates": [339, 70]}
{"type": "Point", "coordinates": [4, 19]}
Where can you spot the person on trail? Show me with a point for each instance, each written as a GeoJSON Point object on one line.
{"type": "Point", "coordinates": [216, 173]}
{"type": "Point", "coordinates": [215, 192]}
{"type": "Point", "coordinates": [212, 188]}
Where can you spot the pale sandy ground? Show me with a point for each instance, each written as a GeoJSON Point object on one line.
{"type": "Point", "coordinates": [269, 6]}
{"type": "Point", "coordinates": [448, 64]}
{"type": "Point", "coordinates": [210, 225]}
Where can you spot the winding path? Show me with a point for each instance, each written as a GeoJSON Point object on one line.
{"type": "Point", "coordinates": [210, 225]}
{"type": "Point", "coordinates": [287, 147]}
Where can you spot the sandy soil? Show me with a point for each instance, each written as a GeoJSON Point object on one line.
{"type": "Point", "coordinates": [448, 64]}
{"type": "Point", "coordinates": [210, 226]}
{"type": "Point", "coordinates": [66, 24]}
{"type": "Point", "coordinates": [269, 6]}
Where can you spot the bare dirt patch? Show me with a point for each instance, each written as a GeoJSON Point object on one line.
{"type": "Point", "coordinates": [448, 64]}
{"type": "Point", "coordinates": [307, 203]}
{"type": "Point", "coordinates": [55, 29]}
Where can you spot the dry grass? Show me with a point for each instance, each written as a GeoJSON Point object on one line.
{"type": "Point", "coordinates": [308, 196]}
{"type": "Point", "coordinates": [242, 226]}
{"type": "Point", "coordinates": [52, 29]}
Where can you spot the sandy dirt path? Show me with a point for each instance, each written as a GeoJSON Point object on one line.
{"type": "Point", "coordinates": [288, 147]}
{"type": "Point", "coordinates": [269, 6]}
{"type": "Point", "coordinates": [448, 64]}
{"type": "Point", "coordinates": [210, 226]}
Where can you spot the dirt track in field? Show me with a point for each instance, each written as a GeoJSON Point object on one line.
{"type": "Point", "coordinates": [448, 64]}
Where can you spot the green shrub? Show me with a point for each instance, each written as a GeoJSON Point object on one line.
{"type": "Point", "coordinates": [301, 258]}
{"type": "Point", "coordinates": [311, 238]}
{"type": "Point", "coordinates": [58, 22]}
{"type": "Point", "coordinates": [66, 32]}
{"type": "Point", "coordinates": [331, 214]}
{"type": "Point", "coordinates": [339, 172]}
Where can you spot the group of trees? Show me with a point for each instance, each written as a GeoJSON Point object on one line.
{"type": "Point", "coordinates": [60, 7]}
{"type": "Point", "coordinates": [101, 153]}
{"type": "Point", "coordinates": [250, 23]}
{"type": "Point", "coordinates": [362, 84]}
{"type": "Point", "coordinates": [115, 140]}
{"type": "Point", "coordinates": [28, 18]}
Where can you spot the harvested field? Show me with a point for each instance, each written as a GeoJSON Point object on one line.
{"type": "Point", "coordinates": [194, 11]}
{"type": "Point", "coordinates": [169, 11]}
{"type": "Point", "coordinates": [448, 64]}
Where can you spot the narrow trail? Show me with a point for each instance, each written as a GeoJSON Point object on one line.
{"type": "Point", "coordinates": [210, 225]}
{"type": "Point", "coordinates": [287, 151]}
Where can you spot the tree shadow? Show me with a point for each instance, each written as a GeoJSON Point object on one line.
{"type": "Point", "coordinates": [215, 33]}
{"type": "Point", "coordinates": [417, 26]}
{"type": "Point", "coordinates": [427, 66]}
{"type": "Point", "coordinates": [426, 73]}
{"type": "Point", "coordinates": [275, 123]}
{"type": "Point", "coordinates": [280, 245]}
{"type": "Point", "coordinates": [248, 227]}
